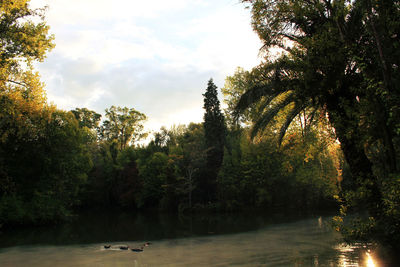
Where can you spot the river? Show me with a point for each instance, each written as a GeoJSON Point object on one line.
{"type": "Point", "coordinates": [203, 240]}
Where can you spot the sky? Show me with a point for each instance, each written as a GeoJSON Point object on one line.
{"type": "Point", "coordinates": [155, 56]}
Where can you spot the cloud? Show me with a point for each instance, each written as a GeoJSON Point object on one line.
{"type": "Point", "coordinates": [155, 56]}
{"type": "Point", "coordinates": [90, 11]}
{"type": "Point", "coordinates": [148, 86]}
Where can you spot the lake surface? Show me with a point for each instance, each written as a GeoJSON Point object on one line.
{"type": "Point", "coordinates": [207, 240]}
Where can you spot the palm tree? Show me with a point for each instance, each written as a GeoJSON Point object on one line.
{"type": "Point", "coordinates": [275, 86]}
{"type": "Point", "coordinates": [335, 57]}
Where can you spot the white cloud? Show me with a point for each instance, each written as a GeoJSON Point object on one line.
{"type": "Point", "coordinates": [155, 56]}
{"type": "Point", "coordinates": [72, 12]}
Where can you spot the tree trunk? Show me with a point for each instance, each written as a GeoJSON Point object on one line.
{"type": "Point", "coordinates": [351, 141]}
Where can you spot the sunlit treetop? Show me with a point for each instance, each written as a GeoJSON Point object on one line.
{"type": "Point", "coordinates": [24, 34]}
{"type": "Point", "coordinates": [24, 39]}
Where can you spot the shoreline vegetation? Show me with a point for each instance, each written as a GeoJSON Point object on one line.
{"type": "Point", "coordinates": [316, 127]}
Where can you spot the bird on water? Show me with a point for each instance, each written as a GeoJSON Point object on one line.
{"type": "Point", "coordinates": [126, 247]}
{"type": "Point", "coordinates": [137, 249]}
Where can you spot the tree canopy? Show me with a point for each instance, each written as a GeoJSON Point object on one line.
{"type": "Point", "coordinates": [124, 125]}
{"type": "Point", "coordinates": [337, 58]}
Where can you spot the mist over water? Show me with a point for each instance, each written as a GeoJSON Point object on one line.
{"type": "Point", "coordinates": [200, 241]}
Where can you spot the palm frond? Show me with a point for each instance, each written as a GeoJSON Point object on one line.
{"type": "Point", "coordinates": [298, 107]}
{"type": "Point", "coordinates": [251, 96]}
{"type": "Point", "coordinates": [271, 113]}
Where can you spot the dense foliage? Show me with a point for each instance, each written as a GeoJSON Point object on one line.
{"type": "Point", "coordinates": [338, 58]}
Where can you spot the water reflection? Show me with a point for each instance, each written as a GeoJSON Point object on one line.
{"type": "Point", "coordinates": [346, 255]}
{"type": "Point", "coordinates": [247, 241]}
{"type": "Point", "coordinates": [370, 260]}
{"type": "Point", "coordinates": [355, 255]}
{"type": "Point", "coordinates": [95, 227]}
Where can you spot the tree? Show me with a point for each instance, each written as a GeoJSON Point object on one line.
{"type": "Point", "coordinates": [161, 140]}
{"type": "Point", "coordinates": [154, 172]}
{"type": "Point", "coordinates": [89, 122]}
{"type": "Point", "coordinates": [335, 57]}
{"type": "Point", "coordinates": [22, 39]}
{"type": "Point", "coordinates": [44, 170]}
{"type": "Point", "coordinates": [29, 175]}
{"type": "Point", "coordinates": [61, 161]}
{"type": "Point", "coordinates": [22, 99]}
{"type": "Point", "coordinates": [214, 131]}
{"type": "Point", "coordinates": [87, 118]}
{"type": "Point", "coordinates": [123, 125]}
{"type": "Point", "coordinates": [233, 89]}
{"type": "Point", "coordinates": [22, 43]}
{"type": "Point", "coordinates": [191, 154]}
{"type": "Point", "coordinates": [126, 186]}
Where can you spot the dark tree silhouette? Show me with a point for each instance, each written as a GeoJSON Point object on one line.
{"type": "Point", "coordinates": [214, 130]}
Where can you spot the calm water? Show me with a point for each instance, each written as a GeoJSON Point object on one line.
{"type": "Point", "coordinates": [245, 240]}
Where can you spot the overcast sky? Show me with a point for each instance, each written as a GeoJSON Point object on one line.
{"type": "Point", "coordinates": [155, 56]}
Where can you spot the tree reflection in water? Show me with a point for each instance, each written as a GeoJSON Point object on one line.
{"type": "Point", "coordinates": [266, 242]}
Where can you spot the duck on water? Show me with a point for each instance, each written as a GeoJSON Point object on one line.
{"type": "Point", "coordinates": [126, 247]}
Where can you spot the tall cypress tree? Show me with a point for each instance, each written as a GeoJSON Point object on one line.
{"type": "Point", "coordinates": [214, 131]}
